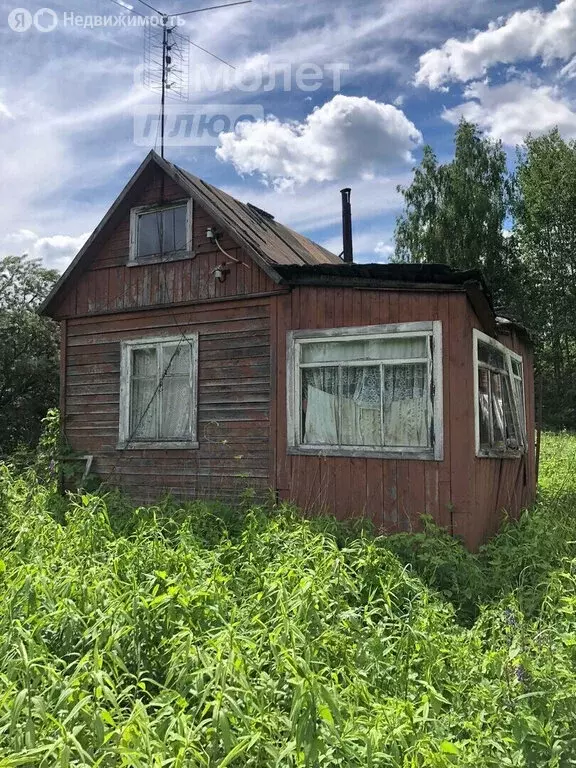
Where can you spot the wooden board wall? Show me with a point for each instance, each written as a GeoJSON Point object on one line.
{"type": "Point", "coordinates": [462, 493]}
{"type": "Point", "coordinates": [233, 400]}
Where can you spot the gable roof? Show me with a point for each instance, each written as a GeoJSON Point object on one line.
{"type": "Point", "coordinates": [266, 240]}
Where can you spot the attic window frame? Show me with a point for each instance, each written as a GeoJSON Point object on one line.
{"type": "Point", "coordinates": [124, 428]}
{"type": "Point", "coordinates": [509, 355]}
{"type": "Point", "coordinates": [138, 211]}
{"type": "Point", "coordinates": [431, 330]}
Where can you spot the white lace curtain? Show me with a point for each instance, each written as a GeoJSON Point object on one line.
{"type": "Point", "coordinates": [160, 403]}
{"type": "Point", "coordinates": [379, 404]}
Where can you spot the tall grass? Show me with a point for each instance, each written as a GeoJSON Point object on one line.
{"type": "Point", "coordinates": [205, 636]}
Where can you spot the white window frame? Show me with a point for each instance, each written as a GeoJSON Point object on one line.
{"type": "Point", "coordinates": [509, 355]}
{"type": "Point", "coordinates": [126, 348]}
{"type": "Point", "coordinates": [432, 331]}
{"type": "Point", "coordinates": [138, 211]}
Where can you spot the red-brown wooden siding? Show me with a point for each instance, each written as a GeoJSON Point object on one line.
{"type": "Point", "coordinates": [109, 285]}
{"type": "Point", "coordinates": [463, 493]}
{"type": "Point", "coordinates": [233, 400]}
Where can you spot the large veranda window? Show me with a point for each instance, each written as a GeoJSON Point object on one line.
{"type": "Point", "coordinates": [372, 390]}
{"type": "Point", "coordinates": [499, 390]}
{"type": "Point", "coordinates": [161, 232]}
{"type": "Point", "coordinates": [158, 392]}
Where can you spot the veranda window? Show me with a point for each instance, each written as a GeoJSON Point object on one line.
{"type": "Point", "coordinates": [158, 392]}
{"type": "Point", "coordinates": [500, 415]}
{"type": "Point", "coordinates": [366, 390]}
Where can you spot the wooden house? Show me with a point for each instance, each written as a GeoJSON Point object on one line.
{"type": "Point", "coordinates": [208, 349]}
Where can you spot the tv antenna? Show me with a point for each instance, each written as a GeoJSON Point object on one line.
{"type": "Point", "coordinates": [167, 43]}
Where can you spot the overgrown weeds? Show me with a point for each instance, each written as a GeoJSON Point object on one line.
{"type": "Point", "coordinates": [199, 635]}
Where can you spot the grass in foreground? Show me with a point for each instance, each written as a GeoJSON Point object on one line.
{"type": "Point", "coordinates": [211, 637]}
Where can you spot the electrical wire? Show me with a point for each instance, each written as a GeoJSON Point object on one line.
{"type": "Point", "coordinates": [214, 56]}
{"type": "Point", "coordinates": [210, 7]}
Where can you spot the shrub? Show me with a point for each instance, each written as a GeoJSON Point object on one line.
{"type": "Point", "coordinates": [201, 635]}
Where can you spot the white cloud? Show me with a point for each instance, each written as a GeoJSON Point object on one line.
{"type": "Point", "coordinates": [510, 111]}
{"type": "Point", "coordinates": [348, 137]}
{"type": "Point", "coordinates": [523, 36]}
{"type": "Point", "coordinates": [55, 251]}
{"type": "Point", "coordinates": [384, 249]}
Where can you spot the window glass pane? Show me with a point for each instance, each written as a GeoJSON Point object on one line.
{"type": "Point", "coordinates": [516, 368]}
{"type": "Point", "coordinates": [167, 230]}
{"type": "Point", "coordinates": [177, 357]}
{"type": "Point", "coordinates": [510, 415]}
{"type": "Point", "coordinates": [162, 232]}
{"type": "Point", "coordinates": [519, 395]}
{"type": "Point", "coordinates": [149, 228]}
{"type": "Point", "coordinates": [144, 362]}
{"type": "Point", "coordinates": [144, 408]}
{"type": "Point", "coordinates": [320, 406]}
{"type": "Point", "coordinates": [488, 354]}
{"type": "Point", "coordinates": [364, 349]}
{"type": "Point", "coordinates": [498, 423]}
{"type": "Point", "coordinates": [175, 417]}
{"type": "Point", "coordinates": [484, 407]}
{"type": "Point", "coordinates": [406, 405]}
{"type": "Point", "coordinates": [180, 243]}
{"type": "Point", "coordinates": [360, 414]}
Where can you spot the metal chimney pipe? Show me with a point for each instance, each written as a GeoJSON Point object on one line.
{"type": "Point", "coordinates": [347, 253]}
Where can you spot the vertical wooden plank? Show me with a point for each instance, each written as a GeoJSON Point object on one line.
{"type": "Point", "coordinates": [63, 359]}
{"type": "Point", "coordinates": [375, 492]}
{"type": "Point", "coordinates": [461, 423]}
{"type": "Point", "coordinates": [283, 324]}
{"type": "Point", "coordinates": [444, 468]}
{"type": "Point", "coordinates": [273, 412]}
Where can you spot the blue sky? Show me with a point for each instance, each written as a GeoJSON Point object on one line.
{"type": "Point", "coordinates": [409, 70]}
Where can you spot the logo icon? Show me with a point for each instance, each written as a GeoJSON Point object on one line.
{"type": "Point", "coordinates": [45, 20]}
{"type": "Point", "coordinates": [20, 20]}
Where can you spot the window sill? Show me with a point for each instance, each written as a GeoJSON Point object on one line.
{"type": "Point", "coordinates": [324, 451]}
{"type": "Point", "coordinates": [159, 445]}
{"type": "Point", "coordinates": [500, 454]}
{"type": "Point", "coordinates": [181, 256]}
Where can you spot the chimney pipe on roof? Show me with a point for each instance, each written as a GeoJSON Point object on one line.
{"type": "Point", "coordinates": [347, 253]}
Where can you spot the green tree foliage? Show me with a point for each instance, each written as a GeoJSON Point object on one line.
{"type": "Point", "coordinates": [28, 351]}
{"type": "Point", "coordinates": [545, 235]}
{"type": "Point", "coordinates": [455, 212]}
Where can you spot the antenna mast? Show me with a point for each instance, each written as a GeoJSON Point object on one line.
{"type": "Point", "coordinates": [167, 45]}
{"type": "Point", "coordinates": [166, 61]}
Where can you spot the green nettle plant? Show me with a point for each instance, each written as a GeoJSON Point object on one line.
{"type": "Point", "coordinates": [200, 635]}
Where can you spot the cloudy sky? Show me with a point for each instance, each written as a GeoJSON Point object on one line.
{"type": "Point", "coordinates": [345, 93]}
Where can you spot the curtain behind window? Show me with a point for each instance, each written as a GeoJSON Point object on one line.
{"type": "Point", "coordinates": [160, 402]}
{"type": "Point", "coordinates": [366, 405]}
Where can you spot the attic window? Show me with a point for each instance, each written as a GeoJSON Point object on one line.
{"type": "Point", "coordinates": [368, 391]}
{"type": "Point", "coordinates": [161, 233]}
{"type": "Point", "coordinates": [499, 388]}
